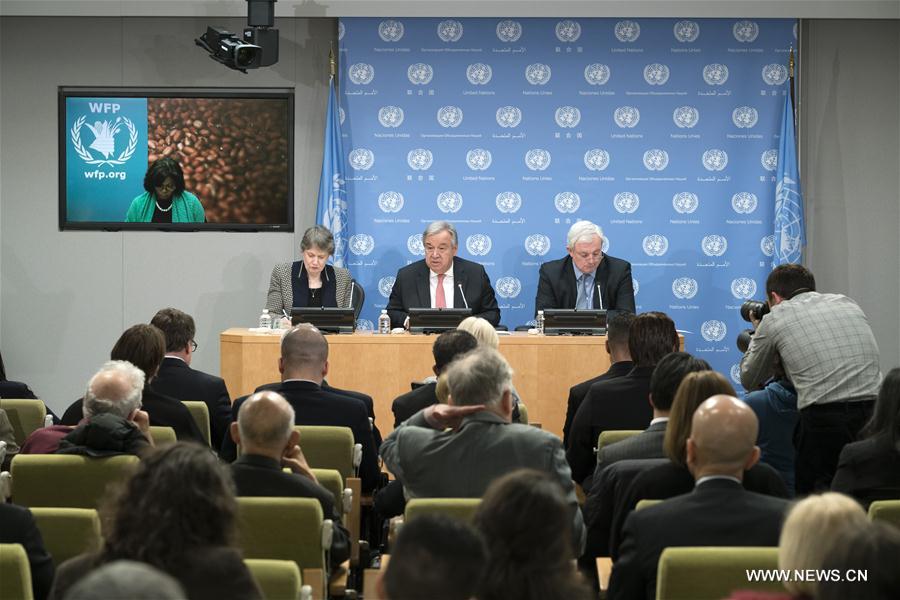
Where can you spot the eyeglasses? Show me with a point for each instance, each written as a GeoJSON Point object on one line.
{"type": "Point", "coordinates": [166, 187]}
{"type": "Point", "coordinates": [593, 256]}
{"type": "Point", "coordinates": [193, 346]}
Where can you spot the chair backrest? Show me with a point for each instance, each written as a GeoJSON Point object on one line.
{"type": "Point", "coordinates": [358, 298]}
{"type": "Point", "coordinates": [276, 578]}
{"type": "Point", "coordinates": [885, 510]}
{"type": "Point", "coordinates": [15, 572]}
{"type": "Point", "coordinates": [458, 508]}
{"type": "Point", "coordinates": [332, 481]}
{"type": "Point", "coordinates": [24, 415]}
{"type": "Point", "coordinates": [200, 413]}
{"type": "Point", "coordinates": [162, 435]}
{"type": "Point", "coordinates": [645, 503]}
{"type": "Point", "coordinates": [66, 480]}
{"type": "Point", "coordinates": [523, 413]}
{"type": "Point", "coordinates": [614, 435]}
{"type": "Point", "coordinates": [712, 572]}
{"type": "Point", "coordinates": [68, 532]}
{"type": "Point", "coordinates": [282, 529]}
{"type": "Point", "coordinates": [328, 447]}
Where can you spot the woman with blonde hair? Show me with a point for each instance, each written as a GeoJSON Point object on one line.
{"type": "Point", "coordinates": [482, 330]}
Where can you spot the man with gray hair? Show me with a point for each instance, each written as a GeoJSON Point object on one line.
{"type": "Point", "coordinates": [442, 280]}
{"type": "Point", "coordinates": [481, 443]}
{"type": "Point", "coordinates": [586, 278]}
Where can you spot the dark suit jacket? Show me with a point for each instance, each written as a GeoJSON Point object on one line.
{"type": "Point", "coordinates": [256, 475]}
{"type": "Point", "coordinates": [17, 526]}
{"type": "Point", "coordinates": [411, 290]}
{"type": "Point", "coordinates": [313, 406]}
{"type": "Point", "coordinates": [17, 390]}
{"type": "Point", "coordinates": [412, 402]}
{"type": "Point", "coordinates": [178, 380]}
{"type": "Point", "coordinates": [557, 285]}
{"type": "Point", "coordinates": [718, 512]}
{"type": "Point", "coordinates": [620, 403]}
{"type": "Point", "coordinates": [868, 470]}
{"type": "Point", "coordinates": [578, 391]}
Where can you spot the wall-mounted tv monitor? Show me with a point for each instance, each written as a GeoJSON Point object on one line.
{"type": "Point", "coordinates": [234, 148]}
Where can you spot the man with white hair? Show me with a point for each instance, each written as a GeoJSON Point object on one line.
{"type": "Point", "coordinates": [586, 278]}
{"type": "Point", "coordinates": [481, 445]}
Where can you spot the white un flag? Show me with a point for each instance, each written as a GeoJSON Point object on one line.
{"type": "Point", "coordinates": [789, 229]}
{"type": "Point", "coordinates": [332, 206]}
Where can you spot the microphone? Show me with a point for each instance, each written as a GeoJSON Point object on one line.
{"type": "Point", "coordinates": [352, 289]}
{"type": "Point", "coordinates": [459, 285]}
{"type": "Point", "coordinates": [600, 296]}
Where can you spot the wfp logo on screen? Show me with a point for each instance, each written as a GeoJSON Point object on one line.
{"type": "Point", "coordinates": [656, 159]}
{"type": "Point", "coordinates": [390, 116]}
{"type": "Point", "coordinates": [478, 159]}
{"type": "Point", "coordinates": [419, 74]}
{"type": "Point", "coordinates": [627, 116]}
{"type": "Point", "coordinates": [655, 245]}
{"type": "Point", "coordinates": [774, 74]}
{"type": "Point", "coordinates": [509, 30]}
{"type": "Point", "coordinates": [449, 116]}
{"type": "Point", "coordinates": [743, 288]}
{"type": "Point", "coordinates": [767, 245]}
{"type": "Point", "coordinates": [537, 244]}
{"type": "Point", "coordinates": [104, 142]}
{"type": "Point", "coordinates": [385, 285]}
{"type": "Point", "coordinates": [744, 203]}
{"type": "Point", "coordinates": [596, 159]}
{"type": "Point", "coordinates": [684, 288]}
{"type": "Point", "coordinates": [627, 31]}
{"type": "Point", "coordinates": [479, 73]}
{"type": "Point", "coordinates": [567, 116]}
{"type": "Point", "coordinates": [414, 244]}
{"type": "Point", "coordinates": [479, 244]}
{"type": "Point", "coordinates": [450, 30]}
{"type": "Point", "coordinates": [538, 73]}
{"type": "Point", "coordinates": [685, 202]}
{"type": "Point", "coordinates": [419, 159]}
{"type": "Point", "coordinates": [508, 202]}
{"type": "Point", "coordinates": [713, 331]}
{"type": "Point", "coordinates": [686, 116]}
{"type": "Point", "coordinates": [568, 31]}
{"type": "Point", "coordinates": [714, 245]}
{"type": "Point", "coordinates": [365, 325]}
{"type": "Point", "coordinates": [744, 117]}
{"type": "Point", "coordinates": [390, 30]}
{"type": "Point", "coordinates": [626, 202]}
{"type": "Point", "coordinates": [537, 159]}
{"type": "Point", "coordinates": [596, 74]}
{"type": "Point", "coordinates": [509, 116]}
{"type": "Point", "coordinates": [361, 244]}
{"type": "Point", "coordinates": [715, 74]}
{"type": "Point", "coordinates": [449, 202]}
{"type": "Point", "coordinates": [745, 31]}
{"type": "Point", "coordinates": [656, 74]}
{"type": "Point", "coordinates": [361, 159]}
{"type": "Point", "coordinates": [567, 202]}
{"type": "Point", "coordinates": [390, 202]}
{"type": "Point", "coordinates": [361, 73]}
{"type": "Point", "coordinates": [509, 287]}
{"type": "Point", "coordinates": [686, 31]}
{"type": "Point", "coordinates": [715, 159]}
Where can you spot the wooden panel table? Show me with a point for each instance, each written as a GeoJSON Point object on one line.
{"type": "Point", "coordinates": [383, 366]}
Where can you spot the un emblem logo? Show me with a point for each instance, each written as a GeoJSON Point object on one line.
{"type": "Point", "coordinates": [656, 74]}
{"type": "Point", "coordinates": [509, 31]}
{"type": "Point", "coordinates": [636, 285]}
{"type": "Point", "coordinates": [744, 203]}
{"type": "Point", "coordinates": [361, 159]}
{"type": "Point", "coordinates": [414, 245]}
{"type": "Point", "coordinates": [714, 245]}
{"type": "Point", "coordinates": [478, 159]}
{"type": "Point", "coordinates": [743, 288]}
{"type": "Point", "coordinates": [390, 30]}
{"type": "Point", "coordinates": [537, 159]}
{"type": "Point", "coordinates": [767, 245]}
{"type": "Point", "coordinates": [769, 159]}
{"type": "Point", "coordinates": [626, 202]}
{"type": "Point", "coordinates": [450, 30]}
{"type": "Point", "coordinates": [341, 114]}
{"type": "Point", "coordinates": [390, 202]}
{"type": "Point", "coordinates": [745, 31]}
{"type": "Point", "coordinates": [390, 116]}
{"type": "Point", "coordinates": [715, 74]}
{"type": "Point", "coordinates": [774, 74]}
{"type": "Point", "coordinates": [568, 31]}
{"type": "Point", "coordinates": [686, 31]}
{"type": "Point", "coordinates": [604, 246]}
{"type": "Point", "coordinates": [449, 116]}
{"type": "Point", "coordinates": [478, 244]}
{"type": "Point", "coordinates": [627, 116]}
{"type": "Point", "coordinates": [104, 140]}
{"type": "Point", "coordinates": [419, 159]}
{"type": "Point", "coordinates": [479, 73]}
{"type": "Point", "coordinates": [537, 73]}
{"type": "Point", "coordinates": [449, 202]}
{"type": "Point", "coordinates": [686, 116]}
{"type": "Point", "coordinates": [508, 202]}
{"type": "Point", "coordinates": [713, 331]}
{"type": "Point", "coordinates": [685, 202]}
{"type": "Point", "coordinates": [656, 159]}
{"type": "Point", "coordinates": [735, 373]}
{"type": "Point", "coordinates": [509, 116]}
{"type": "Point", "coordinates": [537, 244]}
{"type": "Point", "coordinates": [361, 73]}
{"type": "Point", "coordinates": [627, 31]}
{"type": "Point", "coordinates": [342, 30]}
{"type": "Point", "coordinates": [567, 116]}
{"type": "Point", "coordinates": [419, 74]}
{"type": "Point", "coordinates": [567, 202]}
{"type": "Point", "coordinates": [364, 325]}
{"type": "Point", "coordinates": [744, 117]}
{"type": "Point", "coordinates": [385, 285]}
{"type": "Point", "coordinates": [361, 244]}
{"type": "Point", "coordinates": [596, 159]}
{"type": "Point", "coordinates": [684, 288]}
{"type": "Point", "coordinates": [596, 74]}
{"type": "Point", "coordinates": [508, 287]}
{"type": "Point", "coordinates": [655, 245]}
{"type": "Point", "coordinates": [715, 159]}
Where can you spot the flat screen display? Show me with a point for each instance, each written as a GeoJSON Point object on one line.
{"type": "Point", "coordinates": [232, 147]}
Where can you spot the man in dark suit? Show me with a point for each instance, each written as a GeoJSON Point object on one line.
{"type": "Point", "coordinates": [719, 512]}
{"type": "Point", "coordinates": [585, 278]}
{"type": "Point", "coordinates": [442, 280]}
{"type": "Point", "coordinates": [303, 365]}
{"type": "Point", "coordinates": [265, 431]}
{"type": "Point", "coordinates": [621, 403]}
{"type": "Point", "coordinates": [17, 526]}
{"type": "Point", "coordinates": [178, 380]}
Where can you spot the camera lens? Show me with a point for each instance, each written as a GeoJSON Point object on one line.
{"type": "Point", "coordinates": [743, 340]}
{"type": "Point", "coordinates": [245, 55]}
{"type": "Point", "coordinates": [754, 308]}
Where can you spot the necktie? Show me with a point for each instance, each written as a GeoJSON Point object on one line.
{"type": "Point", "coordinates": [440, 300]}
{"type": "Point", "coordinates": [584, 293]}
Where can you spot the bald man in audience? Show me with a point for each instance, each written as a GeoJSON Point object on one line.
{"type": "Point", "coordinates": [719, 512]}
{"type": "Point", "coordinates": [269, 443]}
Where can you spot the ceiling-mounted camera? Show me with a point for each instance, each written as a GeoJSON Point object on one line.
{"type": "Point", "coordinates": [256, 47]}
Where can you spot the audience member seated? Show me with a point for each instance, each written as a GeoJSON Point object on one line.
{"type": "Point", "coordinates": [144, 346]}
{"type": "Point", "coordinates": [718, 512]}
{"type": "Point", "coordinates": [487, 336]}
{"type": "Point", "coordinates": [127, 579]}
{"type": "Point", "coordinates": [446, 347]}
{"type": "Point", "coordinates": [177, 379]}
{"type": "Point", "coordinates": [13, 389]}
{"type": "Point", "coordinates": [481, 445]}
{"type": "Point", "coordinates": [435, 557]}
{"type": "Point", "coordinates": [620, 364]}
{"type": "Point", "coordinates": [873, 550]}
{"type": "Point", "coordinates": [269, 443]}
{"type": "Point", "coordinates": [524, 518]}
{"type": "Point", "coordinates": [17, 526]}
{"type": "Point", "coordinates": [114, 422]}
{"type": "Point", "coordinates": [176, 513]}
{"type": "Point", "coordinates": [303, 365]}
{"type": "Point", "coordinates": [869, 470]}
{"type": "Point", "coordinates": [621, 403]}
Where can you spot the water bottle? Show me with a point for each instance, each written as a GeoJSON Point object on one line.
{"type": "Point", "coordinates": [265, 320]}
{"type": "Point", "coordinates": [384, 322]}
{"type": "Point", "coordinates": [540, 322]}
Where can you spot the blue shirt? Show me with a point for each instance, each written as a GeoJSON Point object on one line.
{"type": "Point", "coordinates": [776, 408]}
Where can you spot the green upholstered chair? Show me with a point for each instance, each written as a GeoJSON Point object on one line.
{"type": "Point", "coordinates": [63, 480]}
{"type": "Point", "coordinates": [885, 510]}
{"type": "Point", "coordinates": [278, 579]}
{"type": "Point", "coordinates": [614, 435]}
{"type": "Point", "coordinates": [25, 416]}
{"type": "Point", "coordinates": [15, 573]}
{"type": "Point", "coordinates": [330, 448]}
{"type": "Point", "coordinates": [332, 481]}
{"type": "Point", "coordinates": [642, 504]}
{"type": "Point", "coordinates": [712, 572]}
{"type": "Point", "coordinates": [200, 413]}
{"type": "Point", "coordinates": [162, 436]}
{"type": "Point", "coordinates": [460, 508]}
{"type": "Point", "coordinates": [68, 532]}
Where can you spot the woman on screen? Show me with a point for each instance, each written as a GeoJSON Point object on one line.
{"type": "Point", "coordinates": [165, 199]}
{"type": "Point", "coordinates": [309, 281]}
